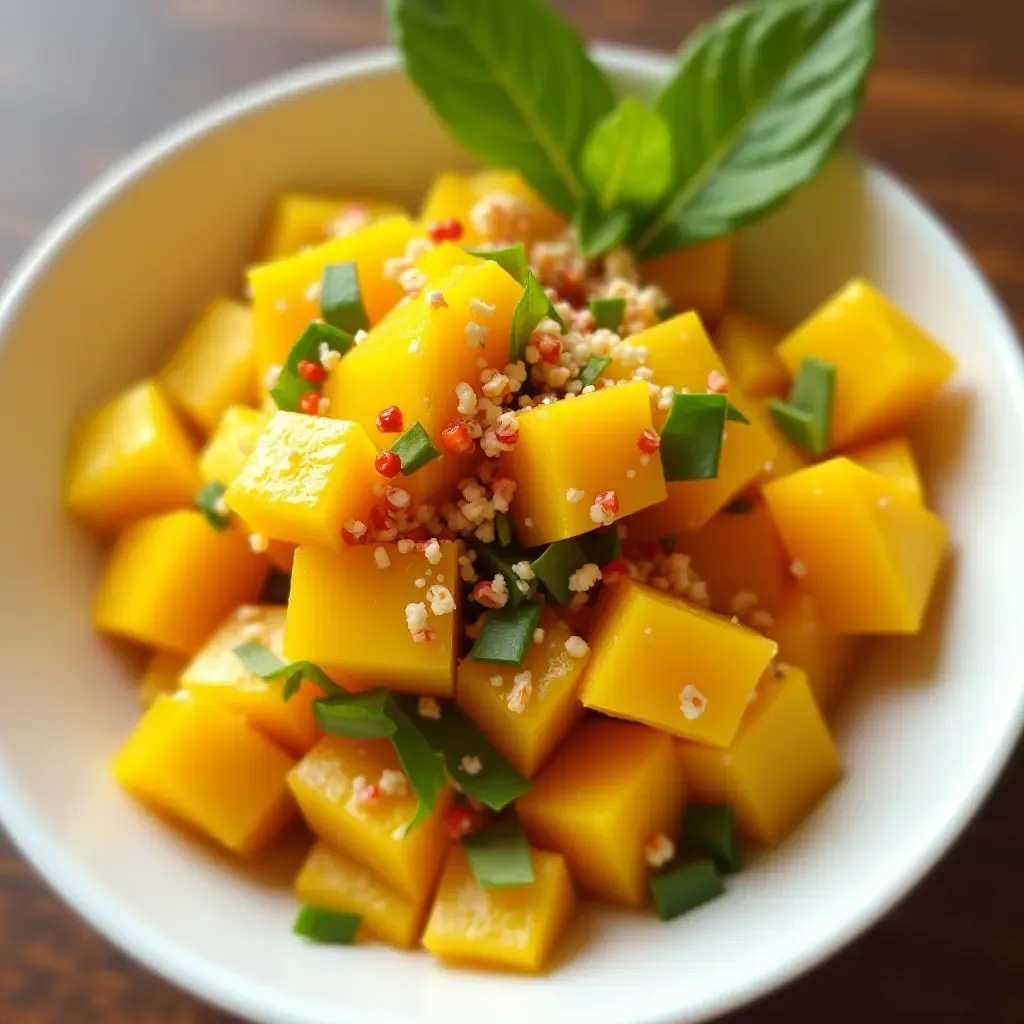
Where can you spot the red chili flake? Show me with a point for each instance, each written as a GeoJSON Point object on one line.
{"type": "Point", "coordinates": [607, 501]}
{"type": "Point", "coordinates": [616, 567]}
{"type": "Point", "coordinates": [309, 403]}
{"type": "Point", "coordinates": [483, 593]}
{"type": "Point", "coordinates": [508, 438]}
{"type": "Point", "coordinates": [368, 794]}
{"type": "Point", "coordinates": [313, 372]}
{"type": "Point", "coordinates": [351, 539]}
{"type": "Point", "coordinates": [455, 438]}
{"type": "Point", "coordinates": [389, 420]}
{"type": "Point", "coordinates": [718, 383]}
{"type": "Point", "coordinates": [649, 442]}
{"type": "Point", "coordinates": [459, 821]}
{"type": "Point", "coordinates": [550, 349]}
{"type": "Point", "coordinates": [380, 517]}
{"type": "Point", "coordinates": [424, 636]}
{"type": "Point", "coordinates": [387, 464]}
{"type": "Point", "coordinates": [449, 230]}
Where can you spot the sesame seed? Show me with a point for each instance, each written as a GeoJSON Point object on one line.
{"type": "Point", "coordinates": [405, 546]}
{"type": "Point", "coordinates": [322, 406]}
{"type": "Point", "coordinates": [258, 543]}
{"type": "Point", "coordinates": [471, 764]}
{"type": "Point", "coordinates": [251, 631]}
{"type": "Point", "coordinates": [743, 602]}
{"type": "Point", "coordinates": [433, 551]}
{"type": "Point", "coordinates": [415, 347]}
{"type": "Point", "coordinates": [435, 299]}
{"type": "Point", "coordinates": [760, 619]}
{"type": "Point", "coordinates": [476, 334]}
{"type": "Point", "coordinates": [523, 570]}
{"type": "Point", "coordinates": [393, 783]}
{"type": "Point", "coordinates": [659, 850]}
{"type": "Point", "coordinates": [576, 647]}
{"type": "Point", "coordinates": [645, 460]}
{"type": "Point", "coordinates": [798, 568]}
{"type": "Point", "coordinates": [480, 308]}
{"type": "Point", "coordinates": [538, 635]}
{"type": "Point", "coordinates": [441, 600]}
{"type": "Point", "coordinates": [360, 337]}
{"type": "Point", "coordinates": [648, 630]}
{"type": "Point", "coordinates": [381, 557]}
{"type": "Point", "coordinates": [630, 473]}
{"type": "Point", "coordinates": [271, 377]}
{"type": "Point", "coordinates": [416, 616]}
{"type": "Point", "coordinates": [312, 293]}
{"type": "Point", "coordinates": [497, 681]}
{"type": "Point", "coordinates": [280, 305]}
{"type": "Point", "coordinates": [692, 702]}
{"type": "Point", "coordinates": [420, 582]}
{"type": "Point", "coordinates": [528, 523]}
{"type": "Point", "coordinates": [428, 707]}
{"type": "Point", "coordinates": [574, 495]}
{"type": "Point", "coordinates": [355, 527]}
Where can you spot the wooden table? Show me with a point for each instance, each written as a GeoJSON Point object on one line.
{"type": "Point", "coordinates": [84, 81]}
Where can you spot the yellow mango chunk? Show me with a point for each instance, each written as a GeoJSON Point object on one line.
{"type": "Point", "coordinates": [330, 879]}
{"type": "Point", "coordinates": [213, 367]}
{"type": "Point", "coordinates": [608, 789]}
{"type": "Point", "coordinates": [231, 444]}
{"type": "Point", "coordinates": [887, 368]}
{"type": "Point", "coordinates": [415, 358]}
{"type": "Point", "coordinates": [285, 296]}
{"type": "Point", "coordinates": [216, 675]}
{"type": "Point", "coordinates": [695, 279]}
{"type": "Point", "coordinates": [528, 737]}
{"type": "Point", "coordinates": [681, 357]}
{"type": "Point", "coordinates": [787, 458]}
{"type": "Point", "coordinates": [662, 661]}
{"type": "Point", "coordinates": [349, 616]}
{"type": "Point", "coordinates": [161, 676]}
{"type": "Point", "coordinates": [206, 767]}
{"type": "Point", "coordinates": [130, 459]}
{"type": "Point", "coordinates": [327, 784]}
{"type": "Point", "coordinates": [893, 459]}
{"type": "Point", "coordinates": [514, 928]}
{"type": "Point", "coordinates": [747, 348]}
{"type": "Point", "coordinates": [173, 579]}
{"type": "Point", "coordinates": [867, 552]}
{"type": "Point", "coordinates": [588, 445]}
{"type": "Point", "coordinates": [517, 215]}
{"type": "Point", "coordinates": [302, 221]}
{"type": "Point", "coordinates": [306, 478]}
{"type": "Point", "coordinates": [782, 762]}
{"type": "Point", "coordinates": [443, 258]}
{"type": "Point", "coordinates": [826, 659]}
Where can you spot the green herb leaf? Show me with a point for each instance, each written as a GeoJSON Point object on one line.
{"type": "Point", "coordinates": [341, 299]}
{"type": "Point", "coordinates": [732, 413]}
{"type": "Point", "coordinates": [556, 564]}
{"type": "Point", "coordinates": [709, 830]}
{"type": "Point", "coordinates": [328, 927]}
{"type": "Point", "coordinates": [263, 662]}
{"type": "Point", "coordinates": [691, 439]}
{"type": "Point", "coordinates": [511, 258]}
{"type": "Point", "coordinates": [608, 313]}
{"type": "Point", "coordinates": [598, 230]}
{"type": "Point", "coordinates": [511, 82]}
{"type": "Point", "coordinates": [503, 528]}
{"type": "Point", "coordinates": [806, 418]}
{"type": "Point", "coordinates": [361, 716]}
{"type": "Point", "coordinates": [627, 158]}
{"type": "Point", "coordinates": [499, 854]}
{"type": "Point", "coordinates": [493, 560]}
{"type": "Point", "coordinates": [259, 660]}
{"type": "Point", "coordinates": [602, 545]}
{"type": "Point", "coordinates": [507, 634]}
{"type": "Point", "coordinates": [591, 372]}
{"type": "Point", "coordinates": [415, 449]}
{"type": "Point", "coordinates": [423, 765]}
{"type": "Point", "coordinates": [685, 887]}
{"type": "Point", "coordinates": [758, 103]}
{"type": "Point", "coordinates": [208, 500]}
{"type": "Point", "coordinates": [290, 386]}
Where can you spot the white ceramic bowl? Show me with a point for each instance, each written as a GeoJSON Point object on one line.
{"type": "Point", "coordinates": [108, 289]}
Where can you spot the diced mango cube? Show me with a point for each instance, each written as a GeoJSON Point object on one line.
{"type": "Point", "coordinates": [162, 675]}
{"type": "Point", "coordinates": [782, 762]}
{"type": "Point", "coordinates": [231, 444]}
{"type": "Point", "coordinates": [608, 789]}
{"type": "Point", "coordinates": [514, 928]}
{"type": "Point", "coordinates": [893, 459]}
{"type": "Point", "coordinates": [866, 551]}
{"type": "Point", "coordinates": [887, 368]}
{"type": "Point", "coordinates": [586, 445]}
{"type": "Point", "coordinates": [415, 358]}
{"type": "Point", "coordinates": [747, 348]}
{"type": "Point", "coordinates": [172, 580]}
{"type": "Point", "coordinates": [306, 478]}
{"type": "Point", "coordinates": [695, 279]}
{"type": "Point", "coordinates": [130, 459]}
{"type": "Point", "coordinates": [328, 783]}
{"type": "Point", "coordinates": [659, 660]}
{"type": "Point", "coordinates": [213, 367]}
{"type": "Point", "coordinates": [207, 767]}
{"type": "Point", "coordinates": [216, 675]}
{"type": "Point", "coordinates": [332, 880]}
{"type": "Point", "coordinates": [349, 616]}
{"type": "Point", "coordinates": [528, 737]}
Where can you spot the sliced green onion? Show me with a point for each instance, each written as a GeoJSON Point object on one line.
{"type": "Point", "coordinates": [210, 501]}
{"type": "Point", "coordinates": [360, 716]}
{"type": "Point", "coordinates": [421, 762]}
{"type": "Point", "coordinates": [263, 662]}
{"type": "Point", "coordinates": [556, 564]}
{"type": "Point", "coordinates": [806, 418]}
{"type": "Point", "coordinates": [503, 529]}
{"type": "Point", "coordinates": [685, 887]}
{"type": "Point", "coordinates": [494, 560]}
{"type": "Point", "coordinates": [732, 413]}
{"type": "Point", "coordinates": [259, 660]}
{"type": "Point", "coordinates": [591, 372]}
{"type": "Point", "coordinates": [511, 258]}
{"type": "Point", "coordinates": [691, 439]}
{"type": "Point", "coordinates": [507, 634]}
{"type": "Point", "coordinates": [602, 545]}
{"type": "Point", "coordinates": [290, 387]}
{"type": "Point", "coordinates": [328, 927]}
{"type": "Point", "coordinates": [608, 313]}
{"type": "Point", "coordinates": [341, 299]}
{"type": "Point", "coordinates": [709, 830]}
{"type": "Point", "coordinates": [415, 449]}
{"type": "Point", "coordinates": [499, 854]}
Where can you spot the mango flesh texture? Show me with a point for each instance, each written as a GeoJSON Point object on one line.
{"type": "Point", "coordinates": [306, 478]}
{"type": "Point", "coordinates": [163, 671]}
{"type": "Point", "coordinates": [526, 738]}
{"type": "Point", "coordinates": [588, 444]}
{"type": "Point", "coordinates": [130, 459]}
{"type": "Point", "coordinates": [285, 295]}
{"type": "Point", "coordinates": [788, 458]}
{"type": "Point", "coordinates": [213, 367]}
{"type": "Point", "coordinates": [747, 348]}
{"type": "Point", "coordinates": [303, 221]}
{"type": "Point", "coordinates": [330, 879]}
{"type": "Point", "coordinates": [871, 554]}
{"type": "Point", "coordinates": [608, 788]}
{"type": "Point", "coordinates": [659, 660]}
{"type": "Point", "coordinates": [681, 356]}
{"type": "Point", "coordinates": [695, 279]}
{"type": "Point", "coordinates": [348, 616]}
{"type": "Point", "coordinates": [781, 764]}
{"type": "Point", "coordinates": [893, 459]}
{"type": "Point", "coordinates": [172, 580]}
{"type": "Point", "coordinates": [206, 767]}
{"type": "Point", "coordinates": [415, 358]}
{"type": "Point", "coordinates": [325, 783]}
{"type": "Point", "coordinates": [515, 928]}
{"type": "Point", "coordinates": [887, 368]}
{"type": "Point", "coordinates": [455, 195]}
{"type": "Point", "coordinates": [216, 675]}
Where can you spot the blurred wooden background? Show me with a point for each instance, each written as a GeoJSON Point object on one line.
{"type": "Point", "coordinates": [84, 81]}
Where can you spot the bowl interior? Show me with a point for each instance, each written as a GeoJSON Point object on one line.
{"type": "Point", "coordinates": [923, 733]}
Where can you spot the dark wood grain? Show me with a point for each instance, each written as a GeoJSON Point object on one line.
{"type": "Point", "coordinates": [84, 81]}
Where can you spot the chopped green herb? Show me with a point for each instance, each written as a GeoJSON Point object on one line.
{"type": "Point", "coordinates": [341, 299]}
{"type": "Point", "coordinates": [423, 765]}
{"type": "Point", "coordinates": [503, 529]}
{"type": "Point", "coordinates": [806, 418]}
{"type": "Point", "coordinates": [415, 449]}
{"type": "Point", "coordinates": [259, 660]}
{"type": "Point", "coordinates": [691, 439]}
{"type": "Point", "coordinates": [685, 887]}
{"type": "Point", "coordinates": [732, 413]}
{"type": "Point", "coordinates": [597, 229]}
{"type": "Point", "coordinates": [210, 501]}
{"type": "Point", "coordinates": [290, 387]}
{"type": "Point", "coordinates": [602, 545]}
{"type": "Point", "coordinates": [328, 927]}
{"type": "Point", "coordinates": [494, 560]}
{"type": "Point", "coordinates": [276, 589]}
{"type": "Point", "coordinates": [556, 564]}
{"type": "Point", "coordinates": [359, 716]}
{"type": "Point", "coordinates": [739, 507]}
{"type": "Point", "coordinates": [499, 854]}
{"type": "Point", "coordinates": [263, 662]}
{"type": "Point", "coordinates": [668, 543]}
{"type": "Point", "coordinates": [512, 259]}
{"type": "Point", "coordinates": [608, 313]}
{"type": "Point", "coordinates": [507, 634]}
{"type": "Point", "coordinates": [591, 372]}
{"type": "Point", "coordinates": [709, 830]}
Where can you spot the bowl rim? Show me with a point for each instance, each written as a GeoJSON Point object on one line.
{"type": "Point", "coordinates": [144, 943]}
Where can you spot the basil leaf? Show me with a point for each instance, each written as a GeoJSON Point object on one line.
{"type": "Point", "coordinates": [414, 449]}
{"type": "Point", "coordinates": [507, 634]}
{"type": "Point", "coordinates": [503, 529]}
{"type": "Point", "coordinates": [328, 927]}
{"type": "Point", "coordinates": [608, 313]}
{"type": "Point", "coordinates": [511, 82]}
{"type": "Point", "coordinates": [758, 103]}
{"type": "Point", "coordinates": [210, 500]}
{"type": "Point", "coordinates": [423, 766]}
{"type": "Point", "coordinates": [591, 372]}
{"type": "Point", "coordinates": [290, 386]}
{"type": "Point", "coordinates": [691, 439]}
{"type": "Point", "coordinates": [598, 230]}
{"type": "Point", "coordinates": [806, 418]}
{"type": "Point", "coordinates": [499, 854]}
{"type": "Point", "coordinates": [359, 716]}
{"type": "Point", "coordinates": [732, 413]}
{"type": "Point", "coordinates": [685, 887]}
{"type": "Point", "coordinates": [556, 563]}
{"type": "Point", "coordinates": [341, 299]}
{"type": "Point", "coordinates": [263, 662]}
{"type": "Point", "coordinates": [511, 259]}
{"type": "Point", "coordinates": [627, 159]}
